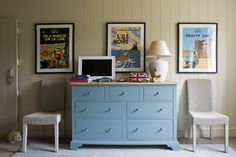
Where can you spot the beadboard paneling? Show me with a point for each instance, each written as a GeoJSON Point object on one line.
{"type": "Point", "coordinates": [161, 18]}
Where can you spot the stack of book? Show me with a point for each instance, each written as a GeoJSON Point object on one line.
{"type": "Point", "coordinates": [80, 78]}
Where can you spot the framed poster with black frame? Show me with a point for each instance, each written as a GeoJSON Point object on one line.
{"type": "Point", "coordinates": [126, 41]}
{"type": "Point", "coordinates": [54, 47]}
{"type": "Point", "coordinates": [197, 47]}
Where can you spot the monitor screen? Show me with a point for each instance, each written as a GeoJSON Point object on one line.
{"type": "Point", "coordinates": [97, 66]}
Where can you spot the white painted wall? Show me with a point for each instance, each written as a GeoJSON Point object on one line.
{"type": "Point", "coordinates": [161, 17]}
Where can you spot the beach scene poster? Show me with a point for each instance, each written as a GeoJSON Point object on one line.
{"type": "Point", "coordinates": [197, 48]}
{"type": "Point", "coordinates": [126, 43]}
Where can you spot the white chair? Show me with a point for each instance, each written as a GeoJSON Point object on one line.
{"type": "Point", "coordinates": [52, 96]}
{"type": "Point", "coordinates": [201, 109]}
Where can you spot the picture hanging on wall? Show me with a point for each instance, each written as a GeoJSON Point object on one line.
{"type": "Point", "coordinates": [197, 48]}
{"type": "Point", "coordinates": [126, 41]}
{"type": "Point", "coordinates": [54, 47]}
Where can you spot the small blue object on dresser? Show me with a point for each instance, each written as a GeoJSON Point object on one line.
{"type": "Point", "coordinates": [103, 79]}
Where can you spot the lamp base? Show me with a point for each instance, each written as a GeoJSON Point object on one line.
{"type": "Point", "coordinates": [158, 69]}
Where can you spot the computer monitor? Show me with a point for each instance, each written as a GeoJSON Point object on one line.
{"type": "Point", "coordinates": [97, 66]}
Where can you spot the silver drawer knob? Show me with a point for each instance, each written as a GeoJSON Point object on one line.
{"type": "Point", "coordinates": [87, 94]}
{"type": "Point", "coordinates": [159, 110]}
{"type": "Point", "coordinates": [136, 110]}
{"type": "Point", "coordinates": [108, 110]}
{"type": "Point", "coordinates": [84, 130]}
{"type": "Point", "coordinates": [84, 110]}
{"type": "Point", "coordinates": [136, 130]}
{"type": "Point", "coordinates": [122, 94]}
{"type": "Point", "coordinates": [159, 130]}
{"type": "Point", "coordinates": [108, 130]}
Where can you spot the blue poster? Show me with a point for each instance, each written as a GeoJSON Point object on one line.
{"type": "Point", "coordinates": [197, 43]}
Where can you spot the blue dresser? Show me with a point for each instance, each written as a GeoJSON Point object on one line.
{"type": "Point", "coordinates": [124, 114]}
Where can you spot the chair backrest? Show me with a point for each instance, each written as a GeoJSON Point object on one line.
{"type": "Point", "coordinates": [52, 95]}
{"type": "Point", "coordinates": [199, 95]}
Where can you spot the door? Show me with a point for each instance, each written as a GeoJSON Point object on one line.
{"type": "Point", "coordinates": [8, 76]}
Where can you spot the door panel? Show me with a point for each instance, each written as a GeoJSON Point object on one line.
{"type": "Point", "coordinates": [8, 75]}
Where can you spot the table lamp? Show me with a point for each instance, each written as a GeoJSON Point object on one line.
{"type": "Point", "coordinates": [158, 66]}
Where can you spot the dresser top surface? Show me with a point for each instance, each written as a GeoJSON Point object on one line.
{"type": "Point", "coordinates": [124, 83]}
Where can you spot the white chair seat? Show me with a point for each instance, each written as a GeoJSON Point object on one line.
{"type": "Point", "coordinates": [209, 118]}
{"type": "Point", "coordinates": [42, 118]}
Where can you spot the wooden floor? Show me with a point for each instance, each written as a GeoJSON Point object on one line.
{"type": "Point", "coordinates": [8, 149]}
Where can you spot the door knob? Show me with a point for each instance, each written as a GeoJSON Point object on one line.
{"type": "Point", "coordinates": [10, 76]}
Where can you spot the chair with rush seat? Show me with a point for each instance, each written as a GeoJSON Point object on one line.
{"type": "Point", "coordinates": [201, 109]}
{"type": "Point", "coordinates": [52, 96]}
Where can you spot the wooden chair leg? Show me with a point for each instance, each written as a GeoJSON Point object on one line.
{"type": "Point", "coordinates": [24, 142]}
{"type": "Point", "coordinates": [42, 132]}
{"type": "Point", "coordinates": [194, 137]}
{"type": "Point", "coordinates": [226, 126]}
{"type": "Point", "coordinates": [56, 134]}
{"type": "Point", "coordinates": [63, 134]}
{"type": "Point", "coordinates": [211, 132]}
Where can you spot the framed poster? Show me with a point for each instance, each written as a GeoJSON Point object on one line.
{"type": "Point", "coordinates": [54, 47]}
{"type": "Point", "coordinates": [126, 41]}
{"type": "Point", "coordinates": [197, 52]}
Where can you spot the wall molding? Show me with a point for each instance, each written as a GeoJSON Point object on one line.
{"type": "Point", "coordinates": [204, 132]}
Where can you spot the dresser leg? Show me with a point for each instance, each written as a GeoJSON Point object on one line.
{"type": "Point", "coordinates": [75, 145]}
{"type": "Point", "coordinates": [174, 146]}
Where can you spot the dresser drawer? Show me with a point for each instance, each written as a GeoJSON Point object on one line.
{"type": "Point", "coordinates": [98, 109]}
{"type": "Point", "coordinates": [123, 93]}
{"type": "Point", "coordinates": [158, 93]}
{"type": "Point", "coordinates": [99, 129]}
{"type": "Point", "coordinates": [88, 93]}
{"type": "Point", "coordinates": [158, 109]}
{"type": "Point", "coordinates": [150, 130]}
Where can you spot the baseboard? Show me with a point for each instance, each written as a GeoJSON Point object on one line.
{"type": "Point", "coordinates": [204, 132]}
{"type": "Point", "coordinates": [201, 132]}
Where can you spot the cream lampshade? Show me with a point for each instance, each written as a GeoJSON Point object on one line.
{"type": "Point", "coordinates": [157, 50]}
